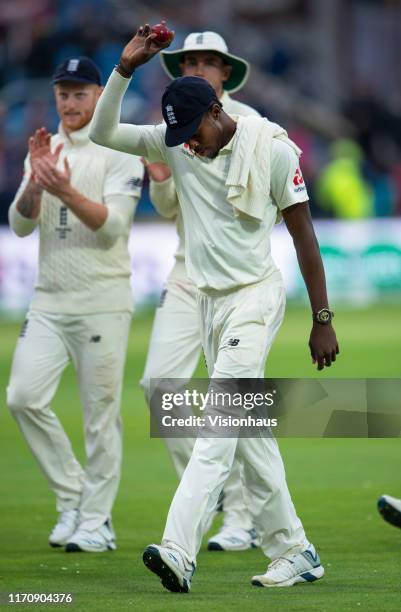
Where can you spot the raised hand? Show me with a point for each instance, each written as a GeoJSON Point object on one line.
{"type": "Point", "coordinates": [141, 48]}
{"type": "Point", "coordinates": [39, 148]}
{"type": "Point", "coordinates": [51, 179]}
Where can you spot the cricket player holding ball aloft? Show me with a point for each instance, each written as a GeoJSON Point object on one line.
{"type": "Point", "coordinates": [233, 176]}
{"type": "Point", "coordinates": [175, 343]}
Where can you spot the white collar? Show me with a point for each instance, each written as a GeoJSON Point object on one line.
{"type": "Point", "coordinates": [229, 146]}
{"type": "Point", "coordinates": [225, 98]}
{"type": "Point", "coordinates": [77, 137]}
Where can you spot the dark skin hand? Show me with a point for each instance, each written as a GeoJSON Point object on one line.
{"type": "Point", "coordinates": [140, 49]}
{"type": "Point", "coordinates": [322, 342]}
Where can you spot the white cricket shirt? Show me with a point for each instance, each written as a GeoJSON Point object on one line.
{"type": "Point", "coordinates": [82, 271]}
{"type": "Point", "coordinates": [222, 251]}
{"type": "Point", "coordinates": [163, 194]}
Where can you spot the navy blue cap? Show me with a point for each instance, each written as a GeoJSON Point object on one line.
{"type": "Point", "coordinates": [79, 70]}
{"type": "Point", "coordinates": [184, 103]}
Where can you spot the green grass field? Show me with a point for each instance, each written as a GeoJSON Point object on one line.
{"type": "Point", "coordinates": [335, 484]}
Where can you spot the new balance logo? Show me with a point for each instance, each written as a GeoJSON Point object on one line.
{"type": "Point", "coordinates": [134, 182]}
{"type": "Point", "coordinates": [233, 342]}
{"type": "Point", "coordinates": [173, 558]}
{"type": "Point", "coordinates": [95, 339]}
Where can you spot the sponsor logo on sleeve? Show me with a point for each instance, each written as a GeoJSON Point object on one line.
{"type": "Point", "coordinates": [298, 181]}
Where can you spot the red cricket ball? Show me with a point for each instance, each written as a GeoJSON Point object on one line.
{"type": "Point", "coordinates": [163, 33]}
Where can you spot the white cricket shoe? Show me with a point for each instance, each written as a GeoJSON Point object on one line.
{"type": "Point", "coordinates": [99, 540]}
{"type": "Point", "coordinates": [292, 569]}
{"type": "Point", "coordinates": [233, 539]}
{"type": "Point", "coordinates": [64, 528]}
{"type": "Point", "coordinates": [174, 570]}
{"type": "Point", "coordinates": [390, 509]}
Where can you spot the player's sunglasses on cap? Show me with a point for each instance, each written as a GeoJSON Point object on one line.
{"type": "Point", "coordinates": [78, 70]}
{"type": "Point", "coordinates": [184, 103]}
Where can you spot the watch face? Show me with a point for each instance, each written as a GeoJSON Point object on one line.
{"type": "Point", "coordinates": [324, 316]}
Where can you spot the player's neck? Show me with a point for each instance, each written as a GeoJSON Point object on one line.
{"type": "Point", "coordinates": [68, 130]}
{"type": "Point", "coordinates": [229, 129]}
{"type": "Point", "coordinates": [219, 91]}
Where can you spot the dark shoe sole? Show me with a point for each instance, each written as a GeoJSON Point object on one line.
{"type": "Point", "coordinates": [152, 560]}
{"type": "Point", "coordinates": [73, 548]}
{"type": "Point", "coordinates": [54, 545]}
{"type": "Point", "coordinates": [389, 513]}
{"type": "Point", "coordinates": [214, 546]}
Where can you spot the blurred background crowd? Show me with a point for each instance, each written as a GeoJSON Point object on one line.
{"type": "Point", "coordinates": [327, 70]}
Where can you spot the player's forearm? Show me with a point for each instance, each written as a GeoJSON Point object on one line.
{"type": "Point", "coordinates": [92, 214]}
{"type": "Point", "coordinates": [106, 129]}
{"type": "Point", "coordinates": [28, 204]}
{"type": "Point", "coordinates": [164, 197]}
{"type": "Point", "coordinates": [311, 266]}
{"type": "Point", "coordinates": [121, 209]}
{"type": "Point", "coordinates": [299, 224]}
{"type": "Point", "coordinates": [24, 212]}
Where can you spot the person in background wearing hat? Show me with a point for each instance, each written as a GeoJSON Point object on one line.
{"type": "Point", "coordinates": [82, 197]}
{"type": "Point", "coordinates": [175, 344]}
{"type": "Point", "coordinates": [234, 178]}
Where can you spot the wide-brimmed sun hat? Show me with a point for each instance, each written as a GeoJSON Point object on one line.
{"type": "Point", "coordinates": [207, 41]}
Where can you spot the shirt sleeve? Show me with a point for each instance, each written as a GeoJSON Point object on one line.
{"type": "Point", "coordinates": [124, 175]}
{"type": "Point", "coordinates": [287, 186]}
{"type": "Point", "coordinates": [121, 210]}
{"type": "Point", "coordinates": [164, 197]}
{"type": "Point", "coordinates": [106, 129]}
{"type": "Point", "coordinates": [21, 225]}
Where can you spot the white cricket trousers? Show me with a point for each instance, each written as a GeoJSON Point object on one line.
{"type": "Point", "coordinates": [252, 316]}
{"type": "Point", "coordinates": [174, 350]}
{"type": "Point", "coordinates": [96, 344]}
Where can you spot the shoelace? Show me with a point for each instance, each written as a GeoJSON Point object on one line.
{"type": "Point", "coordinates": [280, 562]}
